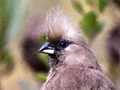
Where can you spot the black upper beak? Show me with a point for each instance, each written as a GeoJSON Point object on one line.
{"type": "Point", "coordinates": [46, 48]}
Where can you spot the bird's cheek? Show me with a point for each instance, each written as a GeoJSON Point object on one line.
{"type": "Point", "coordinates": [68, 49]}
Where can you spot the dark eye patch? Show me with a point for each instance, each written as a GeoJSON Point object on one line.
{"type": "Point", "coordinates": [62, 44]}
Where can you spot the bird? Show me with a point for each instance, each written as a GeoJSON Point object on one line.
{"type": "Point", "coordinates": [73, 65]}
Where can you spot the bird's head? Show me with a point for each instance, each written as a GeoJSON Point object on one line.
{"type": "Point", "coordinates": [63, 38]}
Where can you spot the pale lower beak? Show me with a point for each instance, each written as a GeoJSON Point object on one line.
{"type": "Point", "coordinates": [46, 48]}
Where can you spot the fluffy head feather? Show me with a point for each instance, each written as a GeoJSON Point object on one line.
{"type": "Point", "coordinates": [60, 26]}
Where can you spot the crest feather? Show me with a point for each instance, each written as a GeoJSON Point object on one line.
{"type": "Point", "coordinates": [59, 24]}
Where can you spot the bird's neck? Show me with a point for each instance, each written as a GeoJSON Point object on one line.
{"type": "Point", "coordinates": [56, 61]}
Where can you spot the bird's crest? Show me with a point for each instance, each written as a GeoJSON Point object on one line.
{"type": "Point", "coordinates": [59, 25]}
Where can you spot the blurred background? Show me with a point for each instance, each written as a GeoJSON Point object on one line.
{"type": "Point", "coordinates": [22, 32]}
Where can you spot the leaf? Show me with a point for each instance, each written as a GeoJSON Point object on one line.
{"type": "Point", "coordinates": [41, 76]}
{"type": "Point", "coordinates": [5, 57]}
{"type": "Point", "coordinates": [43, 39]}
{"type": "Point", "coordinates": [78, 6]}
{"type": "Point", "coordinates": [91, 27]}
{"type": "Point", "coordinates": [44, 59]}
{"type": "Point", "coordinates": [101, 4]}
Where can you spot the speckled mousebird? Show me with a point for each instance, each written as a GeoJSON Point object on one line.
{"type": "Point", "coordinates": [73, 65]}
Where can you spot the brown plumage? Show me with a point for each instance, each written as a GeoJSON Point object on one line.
{"type": "Point", "coordinates": [73, 65]}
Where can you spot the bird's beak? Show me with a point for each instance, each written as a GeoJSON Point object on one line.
{"type": "Point", "coordinates": [46, 48]}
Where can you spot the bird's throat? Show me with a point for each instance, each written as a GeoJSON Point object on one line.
{"type": "Point", "coordinates": [53, 60]}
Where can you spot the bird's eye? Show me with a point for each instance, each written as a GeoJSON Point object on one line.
{"type": "Point", "coordinates": [62, 44]}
